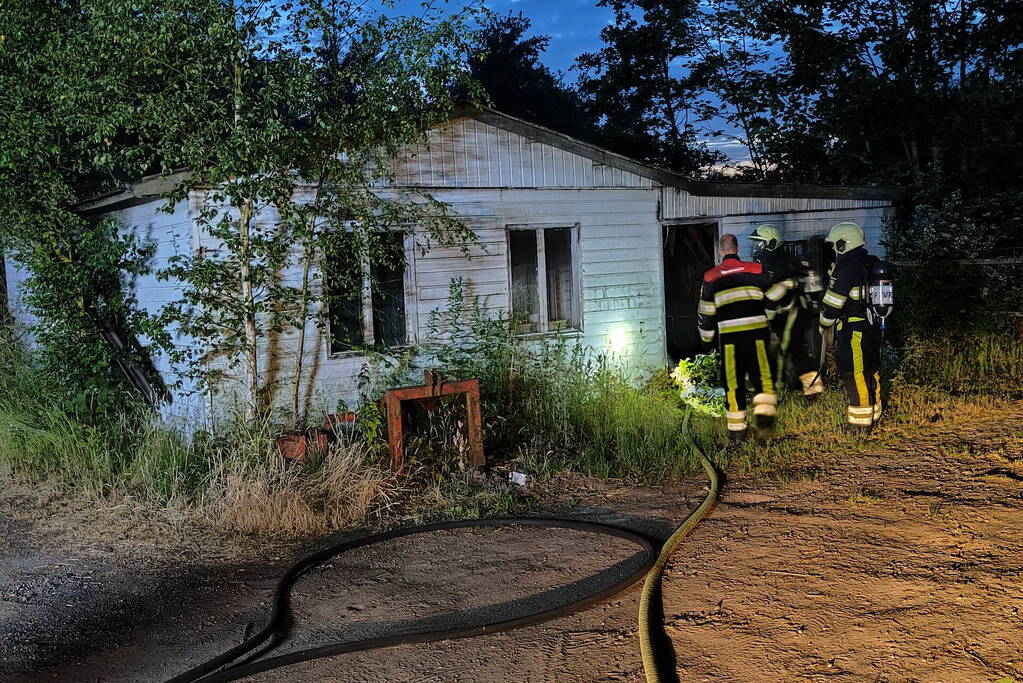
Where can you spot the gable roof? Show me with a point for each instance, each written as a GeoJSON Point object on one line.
{"type": "Point", "coordinates": [153, 187]}
{"type": "Point", "coordinates": [677, 180]}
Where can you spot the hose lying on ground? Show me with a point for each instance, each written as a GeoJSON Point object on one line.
{"type": "Point", "coordinates": [653, 577]}
{"type": "Point", "coordinates": [220, 668]}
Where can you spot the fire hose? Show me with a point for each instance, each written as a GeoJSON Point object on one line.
{"type": "Point", "coordinates": [227, 667]}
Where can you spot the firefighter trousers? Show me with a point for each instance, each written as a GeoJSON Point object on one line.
{"type": "Point", "coordinates": [745, 355]}
{"type": "Point", "coordinates": [792, 328]}
{"type": "Point", "coordinates": [858, 354]}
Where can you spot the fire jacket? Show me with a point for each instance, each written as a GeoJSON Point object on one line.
{"type": "Point", "coordinates": [846, 297]}
{"type": "Point", "coordinates": [735, 298]}
{"type": "Point", "coordinates": [779, 266]}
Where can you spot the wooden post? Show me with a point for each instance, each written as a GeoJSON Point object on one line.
{"type": "Point", "coordinates": [395, 437]}
{"type": "Point", "coordinates": [474, 424]}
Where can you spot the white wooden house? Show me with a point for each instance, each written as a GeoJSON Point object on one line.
{"type": "Point", "coordinates": [601, 247]}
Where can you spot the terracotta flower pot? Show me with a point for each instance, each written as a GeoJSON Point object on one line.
{"type": "Point", "coordinates": [297, 446]}
{"type": "Point", "coordinates": [292, 446]}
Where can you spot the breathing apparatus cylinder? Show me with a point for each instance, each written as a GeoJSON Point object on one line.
{"type": "Point", "coordinates": [809, 280]}
{"type": "Point", "coordinates": [881, 291]}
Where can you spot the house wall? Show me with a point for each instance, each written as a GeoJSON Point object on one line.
{"type": "Point", "coordinates": [170, 234]}
{"type": "Point", "coordinates": [619, 259]}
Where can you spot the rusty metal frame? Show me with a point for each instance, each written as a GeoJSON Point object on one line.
{"type": "Point", "coordinates": [435, 387]}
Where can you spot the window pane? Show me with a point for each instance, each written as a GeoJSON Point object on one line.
{"type": "Point", "coordinates": [389, 294]}
{"type": "Point", "coordinates": [342, 275]}
{"type": "Point", "coordinates": [557, 245]}
{"type": "Point", "coordinates": [525, 285]}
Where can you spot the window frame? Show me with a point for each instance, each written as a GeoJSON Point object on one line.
{"type": "Point", "coordinates": [575, 325]}
{"type": "Point", "coordinates": [366, 295]}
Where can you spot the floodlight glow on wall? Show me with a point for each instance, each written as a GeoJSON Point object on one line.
{"type": "Point", "coordinates": [618, 339]}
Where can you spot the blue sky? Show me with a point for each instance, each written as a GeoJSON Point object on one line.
{"type": "Point", "coordinates": [574, 28]}
{"type": "Point", "coordinates": [573, 25]}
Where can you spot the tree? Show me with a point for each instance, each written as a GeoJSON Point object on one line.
{"type": "Point", "coordinates": [648, 104]}
{"type": "Point", "coordinates": [507, 66]}
{"type": "Point", "coordinates": [57, 146]}
{"type": "Point", "coordinates": [258, 101]}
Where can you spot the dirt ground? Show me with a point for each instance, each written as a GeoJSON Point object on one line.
{"type": "Point", "coordinates": [905, 563]}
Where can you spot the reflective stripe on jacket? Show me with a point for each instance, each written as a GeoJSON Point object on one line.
{"type": "Point", "coordinates": [736, 296]}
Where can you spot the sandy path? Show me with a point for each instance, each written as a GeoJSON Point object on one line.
{"type": "Point", "coordinates": [905, 565]}
{"type": "Point", "coordinates": [902, 565]}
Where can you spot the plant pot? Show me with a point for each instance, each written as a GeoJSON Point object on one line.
{"type": "Point", "coordinates": [297, 446]}
{"type": "Point", "coordinates": [292, 446]}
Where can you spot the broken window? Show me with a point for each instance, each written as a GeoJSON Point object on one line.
{"type": "Point", "coordinates": [544, 281]}
{"type": "Point", "coordinates": [366, 302]}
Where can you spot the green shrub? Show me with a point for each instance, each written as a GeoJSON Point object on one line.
{"type": "Point", "coordinates": [549, 394]}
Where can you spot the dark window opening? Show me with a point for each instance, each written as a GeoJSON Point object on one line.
{"type": "Point", "coordinates": [361, 308]}
{"type": "Point", "coordinates": [558, 253]}
{"type": "Point", "coordinates": [689, 252]}
{"type": "Point", "coordinates": [388, 286]}
{"type": "Point", "coordinates": [525, 290]}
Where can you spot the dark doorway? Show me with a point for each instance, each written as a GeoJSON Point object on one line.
{"type": "Point", "coordinates": [689, 252]}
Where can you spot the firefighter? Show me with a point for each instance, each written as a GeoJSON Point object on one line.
{"type": "Point", "coordinates": [794, 314]}
{"type": "Point", "coordinates": [858, 338]}
{"type": "Point", "coordinates": [733, 306]}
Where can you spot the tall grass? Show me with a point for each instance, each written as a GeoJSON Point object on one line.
{"type": "Point", "coordinates": [552, 395]}
{"type": "Point", "coordinates": [547, 401]}
{"type": "Point", "coordinates": [984, 361]}
{"type": "Point", "coordinates": [235, 479]}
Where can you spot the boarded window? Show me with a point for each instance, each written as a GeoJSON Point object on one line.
{"type": "Point", "coordinates": [366, 303]}
{"type": "Point", "coordinates": [543, 277]}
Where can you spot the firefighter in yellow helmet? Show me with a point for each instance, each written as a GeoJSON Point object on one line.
{"type": "Point", "coordinates": [794, 314]}
{"type": "Point", "coordinates": [858, 337]}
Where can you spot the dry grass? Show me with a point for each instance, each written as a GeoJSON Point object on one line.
{"type": "Point", "coordinates": [277, 498]}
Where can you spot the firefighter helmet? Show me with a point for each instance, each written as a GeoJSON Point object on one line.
{"type": "Point", "coordinates": [766, 238]}
{"type": "Point", "coordinates": [767, 234]}
{"type": "Point", "coordinates": [845, 237]}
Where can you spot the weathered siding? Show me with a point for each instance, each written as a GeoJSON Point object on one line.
{"type": "Point", "coordinates": [620, 278]}
{"type": "Point", "coordinates": [802, 225]}
{"type": "Point", "coordinates": [677, 203]}
{"type": "Point", "coordinates": [467, 153]}
{"type": "Point", "coordinates": [169, 234]}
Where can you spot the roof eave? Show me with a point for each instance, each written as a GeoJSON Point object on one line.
{"type": "Point", "coordinates": [145, 190]}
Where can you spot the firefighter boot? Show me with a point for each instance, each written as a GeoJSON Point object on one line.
{"type": "Point", "coordinates": [859, 419]}
{"type": "Point", "coordinates": [813, 385]}
{"type": "Point", "coordinates": [765, 408]}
